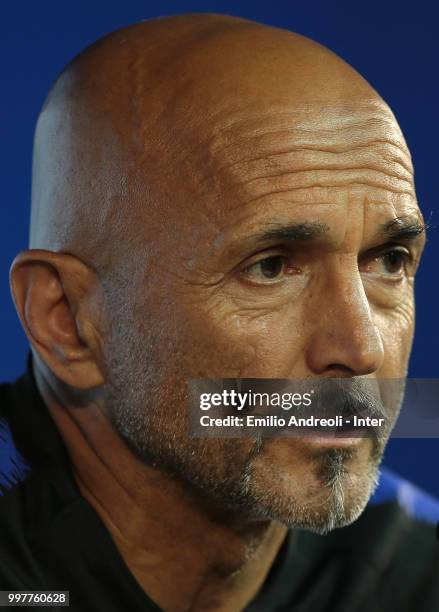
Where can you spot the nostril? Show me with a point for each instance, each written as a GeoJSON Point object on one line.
{"type": "Point", "coordinates": [340, 370]}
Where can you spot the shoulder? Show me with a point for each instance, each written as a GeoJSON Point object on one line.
{"type": "Point", "coordinates": [401, 521]}
{"type": "Point", "coordinates": [399, 536]}
{"type": "Point", "coordinates": [14, 471]}
{"type": "Point", "coordinates": [29, 497]}
{"type": "Point", "coordinates": [412, 500]}
{"type": "Point", "coordinates": [388, 559]}
{"type": "Point", "coordinates": [13, 466]}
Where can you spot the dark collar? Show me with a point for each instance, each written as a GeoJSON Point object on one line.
{"type": "Point", "coordinates": [34, 431]}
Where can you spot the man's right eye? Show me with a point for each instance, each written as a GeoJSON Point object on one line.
{"type": "Point", "coordinates": [269, 269]}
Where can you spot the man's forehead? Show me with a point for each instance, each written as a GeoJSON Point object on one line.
{"type": "Point", "coordinates": [290, 139]}
{"type": "Point", "coordinates": [280, 165]}
{"type": "Point", "coordinates": [283, 156]}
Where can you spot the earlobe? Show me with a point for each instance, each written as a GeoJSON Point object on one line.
{"type": "Point", "coordinates": [49, 291]}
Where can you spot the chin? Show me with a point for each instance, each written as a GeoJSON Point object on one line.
{"type": "Point", "coordinates": [316, 489]}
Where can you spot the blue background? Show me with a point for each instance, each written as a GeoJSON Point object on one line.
{"type": "Point", "coordinates": [394, 46]}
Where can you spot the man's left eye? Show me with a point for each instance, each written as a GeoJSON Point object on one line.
{"type": "Point", "coordinates": [391, 263]}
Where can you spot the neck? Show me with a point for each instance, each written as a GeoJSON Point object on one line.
{"type": "Point", "coordinates": [186, 553]}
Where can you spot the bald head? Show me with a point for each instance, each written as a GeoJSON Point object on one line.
{"type": "Point", "coordinates": [167, 115]}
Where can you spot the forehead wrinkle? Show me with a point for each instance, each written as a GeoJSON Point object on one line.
{"type": "Point", "coordinates": [343, 184]}
{"type": "Point", "coordinates": [247, 188]}
{"type": "Point", "coordinates": [323, 177]}
{"type": "Point", "coordinates": [386, 146]}
{"type": "Point", "coordinates": [259, 156]}
{"type": "Point", "coordinates": [263, 153]}
{"type": "Point", "coordinates": [374, 157]}
{"type": "Point", "coordinates": [308, 128]}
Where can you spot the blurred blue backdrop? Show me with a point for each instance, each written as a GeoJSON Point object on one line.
{"type": "Point", "coordinates": [394, 45]}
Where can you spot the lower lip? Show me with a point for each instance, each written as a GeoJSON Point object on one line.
{"type": "Point", "coordinates": [328, 441]}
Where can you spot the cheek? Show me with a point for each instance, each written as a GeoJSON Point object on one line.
{"type": "Point", "coordinates": [396, 327]}
{"type": "Point", "coordinates": [219, 339]}
{"type": "Point", "coordinates": [209, 336]}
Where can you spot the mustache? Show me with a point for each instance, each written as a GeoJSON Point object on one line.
{"type": "Point", "coordinates": [347, 398]}
{"type": "Point", "coordinates": [338, 399]}
{"type": "Point", "coordinates": [329, 396]}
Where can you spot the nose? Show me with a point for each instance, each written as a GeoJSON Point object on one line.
{"type": "Point", "coordinates": [344, 340]}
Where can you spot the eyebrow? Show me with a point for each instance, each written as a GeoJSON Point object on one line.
{"type": "Point", "coordinates": [294, 232]}
{"type": "Point", "coordinates": [403, 228]}
{"type": "Point", "coordinates": [399, 228]}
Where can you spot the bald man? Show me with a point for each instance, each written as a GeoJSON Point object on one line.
{"type": "Point", "coordinates": [212, 198]}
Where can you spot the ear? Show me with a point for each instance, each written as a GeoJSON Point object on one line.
{"type": "Point", "coordinates": [57, 298]}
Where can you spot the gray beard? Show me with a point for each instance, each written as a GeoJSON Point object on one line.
{"type": "Point", "coordinates": [154, 432]}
